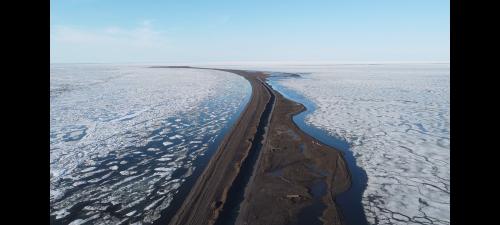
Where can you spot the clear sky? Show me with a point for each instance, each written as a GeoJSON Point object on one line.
{"type": "Point", "coordinates": [149, 31]}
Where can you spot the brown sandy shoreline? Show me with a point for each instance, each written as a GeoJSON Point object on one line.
{"type": "Point", "coordinates": [208, 195]}
{"type": "Point", "coordinates": [288, 170]}
{"type": "Point", "coordinates": [290, 165]}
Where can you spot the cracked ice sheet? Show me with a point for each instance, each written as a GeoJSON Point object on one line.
{"type": "Point", "coordinates": [124, 138]}
{"type": "Point", "coordinates": [397, 120]}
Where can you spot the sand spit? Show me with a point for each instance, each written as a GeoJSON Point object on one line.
{"type": "Point", "coordinates": [295, 179]}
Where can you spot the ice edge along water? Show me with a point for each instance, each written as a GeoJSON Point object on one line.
{"type": "Point", "coordinates": [396, 120]}
{"type": "Point", "coordinates": [124, 138]}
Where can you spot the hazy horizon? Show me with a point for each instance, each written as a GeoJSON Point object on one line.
{"type": "Point", "coordinates": [89, 31]}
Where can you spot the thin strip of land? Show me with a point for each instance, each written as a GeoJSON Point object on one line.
{"type": "Point", "coordinates": [207, 197]}
{"type": "Point", "coordinates": [295, 178]}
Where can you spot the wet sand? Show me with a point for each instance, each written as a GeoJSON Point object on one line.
{"type": "Point", "coordinates": [295, 177]}
{"type": "Point", "coordinates": [208, 195]}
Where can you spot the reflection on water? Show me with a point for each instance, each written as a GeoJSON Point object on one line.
{"type": "Point", "coordinates": [149, 164]}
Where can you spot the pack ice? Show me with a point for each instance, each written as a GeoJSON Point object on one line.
{"type": "Point", "coordinates": [396, 118]}
{"type": "Point", "coordinates": [124, 138]}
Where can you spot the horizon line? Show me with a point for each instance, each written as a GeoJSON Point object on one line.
{"type": "Point", "coordinates": [269, 62]}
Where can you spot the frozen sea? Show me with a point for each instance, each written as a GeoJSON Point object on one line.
{"type": "Point", "coordinates": [126, 139]}
{"type": "Point", "coordinates": [396, 120]}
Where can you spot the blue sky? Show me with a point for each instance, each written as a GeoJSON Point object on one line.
{"type": "Point", "coordinates": [150, 31]}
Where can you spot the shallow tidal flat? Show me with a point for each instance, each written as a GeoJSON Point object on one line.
{"type": "Point", "coordinates": [124, 139]}
{"type": "Point", "coordinates": [396, 120]}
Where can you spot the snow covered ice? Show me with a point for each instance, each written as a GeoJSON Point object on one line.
{"type": "Point", "coordinates": [396, 119]}
{"type": "Point", "coordinates": [124, 138]}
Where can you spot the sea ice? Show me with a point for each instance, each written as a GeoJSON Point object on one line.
{"type": "Point", "coordinates": [167, 143]}
{"type": "Point", "coordinates": [175, 137]}
{"type": "Point", "coordinates": [108, 126]}
{"type": "Point", "coordinates": [396, 118]}
{"type": "Point", "coordinates": [113, 167]}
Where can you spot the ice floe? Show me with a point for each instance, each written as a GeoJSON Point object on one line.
{"type": "Point", "coordinates": [397, 120]}
{"type": "Point", "coordinates": [119, 132]}
{"type": "Point", "coordinates": [167, 143]}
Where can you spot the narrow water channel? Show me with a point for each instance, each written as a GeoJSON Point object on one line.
{"type": "Point", "coordinates": [349, 201]}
